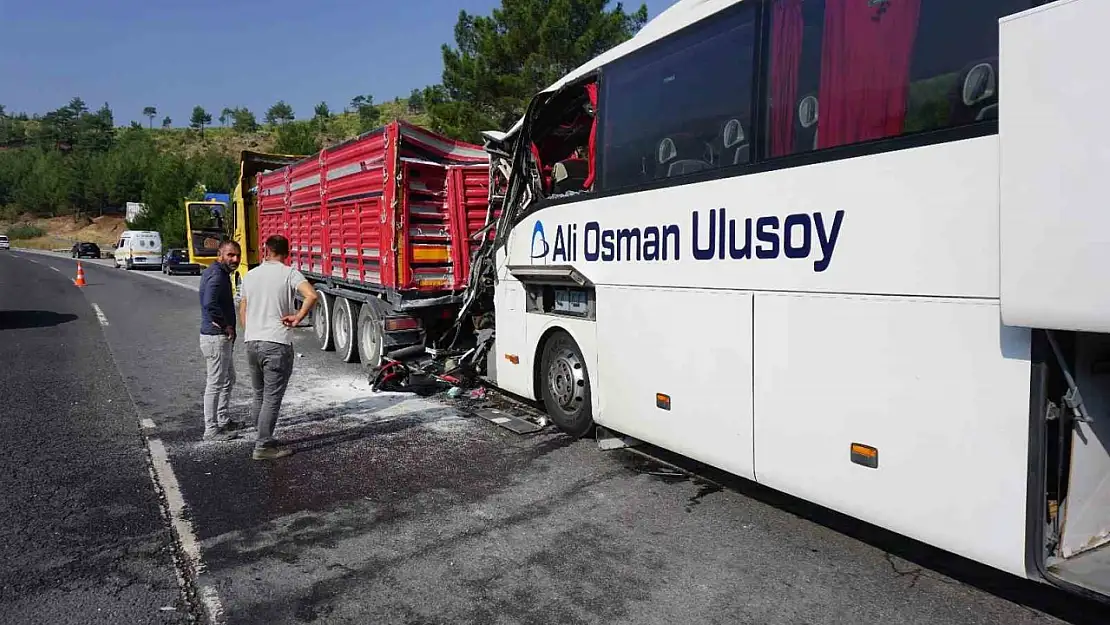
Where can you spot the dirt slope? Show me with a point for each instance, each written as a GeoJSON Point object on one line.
{"type": "Point", "coordinates": [63, 232]}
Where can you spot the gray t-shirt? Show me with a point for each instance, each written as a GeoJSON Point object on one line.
{"type": "Point", "coordinates": [269, 289]}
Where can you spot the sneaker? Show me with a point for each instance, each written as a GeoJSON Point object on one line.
{"type": "Point", "coordinates": [218, 434]}
{"type": "Point", "coordinates": [271, 453]}
{"type": "Point", "coordinates": [232, 425]}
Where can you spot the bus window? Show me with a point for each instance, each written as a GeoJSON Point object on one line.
{"type": "Point", "coordinates": [681, 106]}
{"type": "Point", "coordinates": [845, 71]}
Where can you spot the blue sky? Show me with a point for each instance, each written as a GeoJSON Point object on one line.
{"type": "Point", "coordinates": [174, 54]}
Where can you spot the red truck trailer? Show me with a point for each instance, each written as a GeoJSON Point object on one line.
{"type": "Point", "coordinates": [384, 226]}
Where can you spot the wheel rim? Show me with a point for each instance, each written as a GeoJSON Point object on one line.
{"type": "Point", "coordinates": [321, 319]}
{"type": "Point", "coordinates": [342, 329]}
{"type": "Point", "coordinates": [566, 378]}
{"type": "Point", "coordinates": [370, 341]}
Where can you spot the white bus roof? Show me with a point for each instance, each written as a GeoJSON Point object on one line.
{"type": "Point", "coordinates": [680, 14]}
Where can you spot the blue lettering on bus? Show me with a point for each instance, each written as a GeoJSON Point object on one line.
{"type": "Point", "coordinates": [713, 235]}
{"type": "Point", "coordinates": [537, 233]}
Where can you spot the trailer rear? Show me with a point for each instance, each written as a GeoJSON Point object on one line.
{"type": "Point", "coordinates": [384, 226]}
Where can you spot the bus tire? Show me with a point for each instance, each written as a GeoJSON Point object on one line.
{"type": "Point", "coordinates": [344, 330]}
{"type": "Point", "coordinates": [370, 335]}
{"type": "Point", "coordinates": [565, 385]}
{"type": "Point", "coordinates": [321, 320]}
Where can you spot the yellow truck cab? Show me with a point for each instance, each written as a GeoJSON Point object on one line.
{"type": "Point", "coordinates": [205, 227]}
{"type": "Point", "coordinates": [244, 207]}
{"type": "Point", "coordinates": [208, 222]}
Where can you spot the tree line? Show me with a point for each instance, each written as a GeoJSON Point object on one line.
{"type": "Point", "coordinates": [75, 160]}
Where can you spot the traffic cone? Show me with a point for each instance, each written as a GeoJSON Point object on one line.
{"type": "Point", "coordinates": [80, 281]}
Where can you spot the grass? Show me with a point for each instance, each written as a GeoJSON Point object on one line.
{"type": "Point", "coordinates": [46, 243]}
{"type": "Point", "coordinates": [20, 232]}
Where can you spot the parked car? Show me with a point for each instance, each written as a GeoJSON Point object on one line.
{"type": "Point", "coordinates": [176, 261]}
{"type": "Point", "coordinates": [4, 243]}
{"type": "Point", "coordinates": [85, 249]}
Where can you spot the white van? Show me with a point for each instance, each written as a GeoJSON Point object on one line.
{"type": "Point", "coordinates": [139, 248]}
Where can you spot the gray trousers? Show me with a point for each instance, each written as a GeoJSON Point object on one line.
{"type": "Point", "coordinates": [270, 364]}
{"type": "Point", "coordinates": [217, 350]}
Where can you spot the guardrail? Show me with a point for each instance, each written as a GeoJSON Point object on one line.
{"type": "Point", "coordinates": [68, 250]}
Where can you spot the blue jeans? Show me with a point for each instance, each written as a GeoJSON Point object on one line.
{"type": "Point", "coordinates": [270, 364]}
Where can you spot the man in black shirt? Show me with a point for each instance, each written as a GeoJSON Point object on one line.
{"type": "Point", "coordinates": [217, 339]}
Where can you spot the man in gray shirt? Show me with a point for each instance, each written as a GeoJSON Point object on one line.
{"type": "Point", "coordinates": [268, 315]}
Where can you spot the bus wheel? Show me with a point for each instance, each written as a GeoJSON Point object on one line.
{"type": "Point", "coordinates": [343, 328]}
{"type": "Point", "coordinates": [321, 320]}
{"type": "Point", "coordinates": [566, 385]}
{"type": "Point", "coordinates": [370, 331]}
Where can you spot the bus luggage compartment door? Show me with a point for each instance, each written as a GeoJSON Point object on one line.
{"type": "Point", "coordinates": [1053, 134]}
{"type": "Point", "coordinates": [675, 370]}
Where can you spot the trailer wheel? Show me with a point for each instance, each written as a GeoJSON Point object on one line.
{"type": "Point", "coordinates": [344, 330]}
{"type": "Point", "coordinates": [370, 330]}
{"type": "Point", "coordinates": [566, 385]}
{"type": "Point", "coordinates": [321, 320]}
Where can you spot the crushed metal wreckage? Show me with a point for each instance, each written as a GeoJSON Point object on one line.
{"type": "Point", "coordinates": [459, 357]}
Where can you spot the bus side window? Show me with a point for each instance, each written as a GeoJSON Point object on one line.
{"type": "Point", "coordinates": [844, 71]}
{"type": "Point", "coordinates": [680, 106]}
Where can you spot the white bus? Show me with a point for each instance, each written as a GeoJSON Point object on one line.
{"type": "Point", "coordinates": [799, 241]}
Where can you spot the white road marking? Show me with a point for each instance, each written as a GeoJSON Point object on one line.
{"type": "Point", "coordinates": [145, 274]}
{"type": "Point", "coordinates": [148, 424]}
{"type": "Point", "coordinates": [56, 269]}
{"type": "Point", "coordinates": [185, 285]}
{"type": "Point", "coordinates": [166, 478]}
{"type": "Point", "coordinates": [100, 316]}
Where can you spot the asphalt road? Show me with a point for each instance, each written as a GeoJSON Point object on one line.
{"type": "Point", "coordinates": [82, 537]}
{"type": "Point", "coordinates": [397, 509]}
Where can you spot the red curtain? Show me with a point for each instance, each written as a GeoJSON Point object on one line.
{"type": "Point", "coordinates": [539, 164]}
{"type": "Point", "coordinates": [536, 155]}
{"type": "Point", "coordinates": [865, 67]}
{"type": "Point", "coordinates": [786, 53]}
{"type": "Point", "coordinates": [591, 91]}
